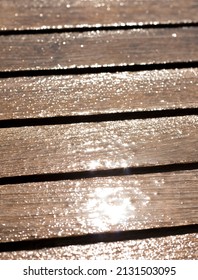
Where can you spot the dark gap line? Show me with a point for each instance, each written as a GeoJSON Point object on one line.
{"type": "Point", "coordinates": [124, 26]}
{"type": "Point", "coordinates": [99, 69]}
{"type": "Point", "coordinates": [52, 177]}
{"type": "Point", "coordinates": [106, 237]}
{"type": "Point", "coordinates": [108, 117]}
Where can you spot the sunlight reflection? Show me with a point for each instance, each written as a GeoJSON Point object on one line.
{"type": "Point", "coordinates": [107, 207]}
{"type": "Point", "coordinates": [110, 164]}
{"type": "Point", "coordinates": [93, 164]}
{"type": "Point", "coordinates": [115, 205]}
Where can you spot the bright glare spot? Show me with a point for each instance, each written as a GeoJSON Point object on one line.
{"type": "Point", "coordinates": [93, 164]}
{"type": "Point", "coordinates": [111, 209]}
{"type": "Point", "coordinates": [104, 192]}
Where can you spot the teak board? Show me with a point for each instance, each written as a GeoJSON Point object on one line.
{"type": "Point", "coordinates": [102, 93]}
{"type": "Point", "coordinates": [94, 205]}
{"type": "Point", "coordinates": [98, 146]}
{"type": "Point", "coordinates": [98, 49]}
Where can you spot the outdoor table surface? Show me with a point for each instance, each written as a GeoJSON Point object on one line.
{"type": "Point", "coordinates": [98, 129]}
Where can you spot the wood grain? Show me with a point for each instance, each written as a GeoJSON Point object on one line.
{"type": "Point", "coordinates": [39, 97]}
{"type": "Point", "coordinates": [180, 247]}
{"type": "Point", "coordinates": [97, 49]}
{"type": "Point", "coordinates": [30, 211]}
{"type": "Point", "coordinates": [26, 14]}
{"type": "Point", "coordinates": [75, 207]}
{"type": "Point", "coordinates": [98, 146]}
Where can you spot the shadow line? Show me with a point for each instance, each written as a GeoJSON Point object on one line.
{"type": "Point", "coordinates": [99, 69]}
{"type": "Point", "coordinates": [97, 173]}
{"type": "Point", "coordinates": [87, 28]}
{"type": "Point", "coordinates": [37, 244]}
{"type": "Point", "coordinates": [57, 120]}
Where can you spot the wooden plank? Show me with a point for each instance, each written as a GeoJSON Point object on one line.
{"type": "Point", "coordinates": [96, 49]}
{"type": "Point", "coordinates": [180, 247]}
{"type": "Point", "coordinates": [38, 97]}
{"type": "Point", "coordinates": [75, 207]}
{"type": "Point", "coordinates": [98, 146]}
{"type": "Point", "coordinates": [26, 14]}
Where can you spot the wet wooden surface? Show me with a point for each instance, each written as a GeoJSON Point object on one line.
{"type": "Point", "coordinates": [98, 129]}
{"type": "Point", "coordinates": [76, 207]}
{"type": "Point", "coordinates": [98, 146]}
{"type": "Point", "coordinates": [98, 49]}
{"type": "Point", "coordinates": [30, 15]}
{"type": "Point", "coordinates": [102, 93]}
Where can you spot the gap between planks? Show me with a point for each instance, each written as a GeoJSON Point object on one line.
{"type": "Point", "coordinates": [180, 247]}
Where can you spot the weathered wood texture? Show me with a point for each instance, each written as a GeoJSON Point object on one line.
{"type": "Point", "coordinates": [39, 97]}
{"type": "Point", "coordinates": [62, 208]}
{"type": "Point", "coordinates": [180, 247]}
{"type": "Point", "coordinates": [98, 146]}
{"type": "Point", "coordinates": [100, 48]}
{"type": "Point", "coordinates": [30, 211]}
{"type": "Point", "coordinates": [34, 14]}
